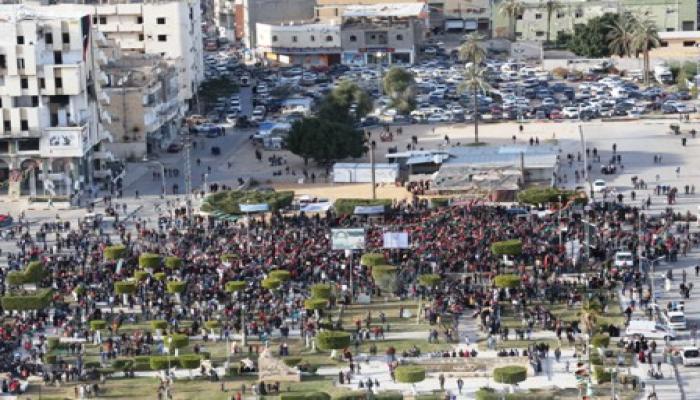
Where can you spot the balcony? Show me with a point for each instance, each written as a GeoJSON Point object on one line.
{"type": "Point", "coordinates": [104, 98]}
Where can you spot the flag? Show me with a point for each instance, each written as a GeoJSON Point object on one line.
{"type": "Point", "coordinates": [85, 29]}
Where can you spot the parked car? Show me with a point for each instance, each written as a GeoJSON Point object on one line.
{"type": "Point", "coordinates": [174, 148]}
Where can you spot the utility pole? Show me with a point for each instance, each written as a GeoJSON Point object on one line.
{"type": "Point", "coordinates": [372, 145]}
{"type": "Point", "coordinates": [188, 176]}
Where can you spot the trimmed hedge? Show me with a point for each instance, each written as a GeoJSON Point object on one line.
{"type": "Point", "coordinates": [40, 300]}
{"type": "Point", "coordinates": [409, 373]}
{"type": "Point", "coordinates": [600, 341]}
{"type": "Point", "coordinates": [122, 363]}
{"type": "Point", "coordinates": [333, 340]}
{"type": "Point", "coordinates": [510, 375]}
{"type": "Point", "coordinates": [159, 324]}
{"type": "Point", "coordinates": [437, 202]}
{"type": "Point", "coordinates": [174, 287]}
{"type": "Point", "coordinates": [550, 195]}
{"type": "Point", "coordinates": [34, 273]}
{"type": "Point", "coordinates": [235, 286]}
{"type": "Point", "coordinates": [124, 287]}
{"type": "Point", "coordinates": [178, 341]}
{"type": "Point", "coordinates": [280, 275]}
{"type": "Point", "coordinates": [161, 362]}
{"type": "Point", "coordinates": [212, 324]}
{"type": "Point", "coordinates": [305, 396]}
{"type": "Point", "coordinates": [351, 395]}
{"type": "Point", "coordinates": [97, 324]}
{"type": "Point", "coordinates": [229, 201]}
{"type": "Point", "coordinates": [487, 393]}
{"type": "Point", "coordinates": [271, 283]}
{"type": "Point", "coordinates": [315, 304]}
{"type": "Point", "coordinates": [173, 262]}
{"type": "Point", "coordinates": [511, 247]}
{"type": "Point", "coordinates": [429, 280]}
{"type": "Point", "coordinates": [602, 375]}
{"type": "Point", "coordinates": [113, 253]}
{"type": "Point", "coordinates": [160, 276]}
{"type": "Point", "coordinates": [372, 259]}
{"type": "Point", "coordinates": [347, 206]}
{"type": "Point", "coordinates": [321, 291]}
{"type": "Point", "coordinates": [291, 361]}
{"type": "Point", "coordinates": [379, 271]}
{"type": "Point", "coordinates": [189, 361]}
{"type": "Point", "coordinates": [389, 395]}
{"type": "Point", "coordinates": [140, 276]}
{"type": "Point", "coordinates": [149, 260]}
{"type": "Point", "coordinates": [510, 281]}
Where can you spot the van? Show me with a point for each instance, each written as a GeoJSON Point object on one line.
{"type": "Point", "coordinates": [690, 356]}
{"type": "Point", "coordinates": [676, 319]}
{"type": "Point", "coordinates": [650, 330]}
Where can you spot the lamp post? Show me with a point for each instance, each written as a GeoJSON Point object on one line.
{"type": "Point", "coordinates": [378, 57]}
{"type": "Point", "coordinates": [560, 238]}
{"type": "Point", "coordinates": [372, 145]}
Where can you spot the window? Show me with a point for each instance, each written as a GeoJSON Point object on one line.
{"type": "Point", "coordinates": [42, 83]}
{"type": "Point", "coordinates": [140, 37]}
{"type": "Point", "coordinates": [336, 11]}
{"type": "Point", "coordinates": [329, 38]}
{"type": "Point", "coordinates": [24, 83]}
{"type": "Point", "coordinates": [274, 38]}
{"type": "Point", "coordinates": [663, 43]}
{"type": "Point", "coordinates": [688, 43]}
{"type": "Point", "coordinates": [312, 38]}
{"type": "Point", "coordinates": [23, 125]}
{"type": "Point", "coordinates": [94, 20]}
{"type": "Point", "coordinates": [578, 14]}
{"type": "Point", "coordinates": [560, 14]}
{"type": "Point", "coordinates": [538, 16]}
{"type": "Point", "coordinates": [28, 145]}
{"type": "Point", "coordinates": [35, 101]}
{"type": "Point", "coordinates": [57, 57]}
{"type": "Point", "coordinates": [20, 63]}
{"type": "Point", "coordinates": [294, 39]}
{"type": "Point", "coordinates": [103, 20]}
{"type": "Point", "coordinates": [58, 82]}
{"type": "Point", "coordinates": [6, 126]}
{"type": "Point", "coordinates": [520, 17]}
{"type": "Point", "coordinates": [3, 64]}
{"type": "Point", "coordinates": [688, 26]}
{"type": "Point", "coordinates": [160, 21]}
{"type": "Point", "coordinates": [20, 39]}
{"type": "Point", "coordinates": [139, 20]}
{"type": "Point", "coordinates": [539, 33]}
{"type": "Point", "coordinates": [353, 38]}
{"type": "Point", "coordinates": [399, 37]}
{"type": "Point", "coordinates": [518, 34]}
{"type": "Point", "coordinates": [65, 37]}
{"type": "Point", "coordinates": [670, 29]}
{"type": "Point", "coordinates": [48, 38]}
{"type": "Point", "coordinates": [162, 38]}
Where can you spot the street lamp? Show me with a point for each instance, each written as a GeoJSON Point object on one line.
{"type": "Point", "coordinates": [560, 243]}
{"type": "Point", "coordinates": [378, 57]}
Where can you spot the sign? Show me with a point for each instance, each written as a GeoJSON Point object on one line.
{"type": "Point", "coordinates": [252, 208]}
{"type": "Point", "coordinates": [376, 50]}
{"type": "Point", "coordinates": [62, 143]}
{"type": "Point", "coordinates": [316, 207]}
{"type": "Point", "coordinates": [366, 210]}
{"type": "Point", "coordinates": [396, 240]}
{"type": "Point", "coordinates": [348, 239]}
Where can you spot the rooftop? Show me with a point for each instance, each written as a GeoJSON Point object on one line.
{"type": "Point", "coordinates": [401, 10]}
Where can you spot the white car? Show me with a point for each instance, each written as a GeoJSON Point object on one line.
{"type": "Point", "coordinates": [258, 114]}
{"type": "Point", "coordinates": [570, 112]}
{"type": "Point", "coordinates": [690, 356]}
{"type": "Point", "coordinates": [676, 319]}
{"type": "Point", "coordinates": [624, 259]}
{"type": "Point", "coordinates": [650, 330]}
{"type": "Point", "coordinates": [599, 185]}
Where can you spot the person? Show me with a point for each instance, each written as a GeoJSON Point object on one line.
{"type": "Point", "coordinates": [441, 379]}
{"type": "Point", "coordinates": [460, 382]}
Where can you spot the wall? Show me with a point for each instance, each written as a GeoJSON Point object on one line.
{"type": "Point", "coordinates": [273, 11]}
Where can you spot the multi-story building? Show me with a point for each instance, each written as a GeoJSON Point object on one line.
{"type": "Point", "coordinates": [669, 16]}
{"type": "Point", "coordinates": [50, 89]}
{"type": "Point", "coordinates": [462, 15]}
{"type": "Point", "coordinates": [383, 33]}
{"type": "Point", "coordinates": [249, 13]}
{"type": "Point", "coordinates": [299, 44]}
{"type": "Point", "coordinates": [143, 104]}
{"type": "Point", "coordinates": [224, 18]}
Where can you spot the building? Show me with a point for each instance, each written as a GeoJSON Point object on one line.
{"type": "Point", "coordinates": [299, 44]}
{"type": "Point", "coordinates": [143, 104]}
{"type": "Point", "coordinates": [332, 10]}
{"type": "Point", "coordinates": [669, 15]}
{"type": "Point", "coordinates": [224, 18]}
{"type": "Point", "coordinates": [168, 28]}
{"type": "Point", "coordinates": [249, 13]}
{"type": "Point", "coordinates": [53, 131]}
{"type": "Point", "coordinates": [386, 33]}
{"type": "Point", "coordinates": [677, 46]}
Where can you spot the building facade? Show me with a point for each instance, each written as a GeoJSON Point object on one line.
{"type": "Point", "coordinates": [383, 33]}
{"type": "Point", "coordinates": [304, 44]}
{"type": "Point", "coordinates": [53, 132]}
{"type": "Point", "coordinates": [224, 18]}
{"type": "Point", "coordinates": [251, 12]}
{"type": "Point", "coordinates": [143, 104]}
{"type": "Point", "coordinates": [669, 16]}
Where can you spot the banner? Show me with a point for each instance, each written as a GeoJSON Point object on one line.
{"type": "Point", "coordinates": [367, 210]}
{"type": "Point", "coordinates": [251, 208]}
{"type": "Point", "coordinates": [348, 239]}
{"type": "Point", "coordinates": [396, 240]}
{"type": "Point", "coordinates": [316, 207]}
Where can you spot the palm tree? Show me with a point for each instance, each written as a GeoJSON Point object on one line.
{"type": "Point", "coordinates": [552, 5]}
{"type": "Point", "coordinates": [474, 82]}
{"type": "Point", "coordinates": [512, 10]}
{"type": "Point", "coordinates": [644, 38]}
{"type": "Point", "coordinates": [621, 34]}
{"type": "Point", "coordinates": [471, 50]}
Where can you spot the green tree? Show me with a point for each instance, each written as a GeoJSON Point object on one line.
{"type": "Point", "coordinates": [336, 105]}
{"type": "Point", "coordinates": [472, 49]}
{"type": "Point", "coordinates": [324, 141]}
{"type": "Point", "coordinates": [682, 80]}
{"type": "Point", "coordinates": [475, 82]}
{"type": "Point", "coordinates": [587, 38]}
{"type": "Point", "coordinates": [552, 6]}
{"type": "Point", "coordinates": [400, 86]}
{"type": "Point", "coordinates": [645, 37]}
{"type": "Point", "coordinates": [620, 35]}
{"type": "Point", "coordinates": [512, 9]}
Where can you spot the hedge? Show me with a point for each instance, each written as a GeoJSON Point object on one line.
{"type": "Point", "coordinates": [112, 253]}
{"type": "Point", "coordinates": [176, 287]}
{"type": "Point", "coordinates": [347, 206]}
{"type": "Point", "coordinates": [437, 202]}
{"type": "Point", "coordinates": [389, 395]}
{"type": "Point", "coordinates": [50, 358]}
{"type": "Point", "coordinates": [321, 291]}
{"type": "Point", "coordinates": [190, 361]}
{"type": "Point", "coordinates": [235, 286]}
{"type": "Point", "coordinates": [52, 342]}
{"type": "Point", "coordinates": [510, 281]}
{"type": "Point", "coordinates": [372, 259]}
{"type": "Point", "coordinates": [550, 195]}
{"type": "Point", "coordinates": [383, 270]}
{"type": "Point", "coordinates": [280, 275]}
{"type": "Point", "coordinates": [600, 341]}
{"type": "Point", "coordinates": [409, 373]}
{"type": "Point", "coordinates": [333, 340]}
{"type": "Point", "coordinates": [291, 361]}
{"type": "Point", "coordinates": [487, 393]}
{"type": "Point", "coordinates": [161, 362]}
{"type": "Point", "coordinates": [34, 273]}
{"type": "Point", "coordinates": [178, 341]}
{"type": "Point", "coordinates": [351, 395]}
{"type": "Point", "coordinates": [385, 277]}
{"type": "Point", "coordinates": [315, 303]}
{"type": "Point", "coordinates": [160, 276]}
{"type": "Point", "coordinates": [511, 247]}
{"type": "Point", "coordinates": [140, 276]}
{"type": "Point", "coordinates": [305, 396]}
{"type": "Point", "coordinates": [212, 324]}
{"type": "Point", "coordinates": [39, 300]}
{"type": "Point", "coordinates": [97, 324]}
{"type": "Point", "coordinates": [122, 363]}
{"type": "Point", "coordinates": [271, 283]}
{"type": "Point", "coordinates": [602, 375]}
{"type": "Point", "coordinates": [511, 374]}
{"type": "Point", "coordinates": [15, 278]}
{"type": "Point", "coordinates": [229, 201]}
{"type": "Point", "coordinates": [159, 324]}
{"type": "Point", "coordinates": [173, 262]}
{"type": "Point", "coordinates": [124, 287]}
{"type": "Point", "coordinates": [149, 260]}
{"type": "Point", "coordinates": [429, 280]}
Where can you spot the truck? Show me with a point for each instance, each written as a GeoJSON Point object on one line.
{"type": "Point", "coordinates": [663, 75]}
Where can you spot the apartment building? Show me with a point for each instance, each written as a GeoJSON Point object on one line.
{"type": "Point", "coordinates": [669, 16]}
{"type": "Point", "coordinates": [143, 104]}
{"type": "Point", "coordinates": [224, 18]}
{"type": "Point", "coordinates": [299, 44]}
{"type": "Point", "coordinates": [249, 13]}
{"type": "Point", "coordinates": [50, 89]}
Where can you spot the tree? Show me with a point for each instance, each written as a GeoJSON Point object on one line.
{"type": "Point", "coordinates": [336, 105]}
{"type": "Point", "coordinates": [551, 5]}
{"type": "Point", "coordinates": [682, 80]}
{"type": "Point", "coordinates": [590, 39]}
{"type": "Point", "coordinates": [620, 35]}
{"type": "Point", "coordinates": [512, 9]}
{"type": "Point", "coordinates": [644, 38]}
{"type": "Point", "coordinates": [409, 373]}
{"type": "Point", "coordinates": [509, 281]}
{"type": "Point", "coordinates": [472, 50]}
{"type": "Point", "coordinates": [333, 340]}
{"type": "Point", "coordinates": [399, 85]}
{"type": "Point", "coordinates": [324, 141]}
{"type": "Point", "coordinates": [474, 82]}
{"type": "Point", "coordinates": [511, 374]}
{"type": "Point", "coordinates": [385, 277]}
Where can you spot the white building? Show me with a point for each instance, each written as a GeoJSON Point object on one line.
{"type": "Point", "coordinates": [224, 18]}
{"type": "Point", "coordinates": [50, 87]}
{"type": "Point", "coordinates": [299, 44]}
{"type": "Point", "coordinates": [251, 12]}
